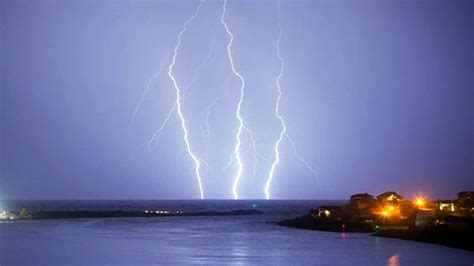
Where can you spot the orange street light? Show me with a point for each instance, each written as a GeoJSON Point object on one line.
{"type": "Point", "coordinates": [419, 201]}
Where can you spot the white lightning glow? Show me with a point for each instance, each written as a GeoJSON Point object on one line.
{"type": "Point", "coordinates": [238, 142]}
{"type": "Point", "coordinates": [148, 87]}
{"type": "Point", "coordinates": [205, 126]}
{"type": "Point", "coordinates": [178, 101]}
{"type": "Point", "coordinates": [206, 131]}
{"type": "Point", "coordinates": [156, 135]}
{"type": "Point", "coordinates": [299, 157]}
{"type": "Point", "coordinates": [256, 153]}
{"type": "Point", "coordinates": [277, 109]}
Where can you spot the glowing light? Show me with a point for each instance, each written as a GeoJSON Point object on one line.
{"type": "Point", "coordinates": [419, 201]}
{"type": "Point", "coordinates": [386, 211]}
{"type": "Point", "coordinates": [394, 260]}
{"type": "Point", "coordinates": [277, 109]}
{"type": "Point", "coordinates": [446, 207]}
{"type": "Point", "coordinates": [238, 142]}
{"type": "Point", "coordinates": [197, 162]}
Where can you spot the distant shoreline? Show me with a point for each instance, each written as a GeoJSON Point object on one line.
{"type": "Point", "coordinates": [43, 215]}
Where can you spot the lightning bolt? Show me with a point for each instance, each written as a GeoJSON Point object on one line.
{"type": "Point", "coordinates": [299, 157]}
{"type": "Point", "coordinates": [148, 87]}
{"type": "Point", "coordinates": [178, 100]}
{"type": "Point", "coordinates": [206, 129]}
{"type": "Point", "coordinates": [256, 154]}
{"type": "Point", "coordinates": [205, 125]}
{"type": "Point", "coordinates": [283, 132]}
{"type": "Point", "coordinates": [277, 109]}
{"type": "Point", "coordinates": [156, 135]}
{"type": "Point", "coordinates": [237, 152]}
{"type": "Point", "coordinates": [238, 142]}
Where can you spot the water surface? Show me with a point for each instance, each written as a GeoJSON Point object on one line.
{"type": "Point", "coordinates": [238, 240]}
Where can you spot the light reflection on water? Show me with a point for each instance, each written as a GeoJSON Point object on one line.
{"type": "Point", "coordinates": [394, 260]}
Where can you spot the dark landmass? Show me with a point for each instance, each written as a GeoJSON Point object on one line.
{"type": "Point", "coordinates": [324, 224]}
{"type": "Point", "coordinates": [462, 239]}
{"type": "Point", "coordinates": [115, 214]}
{"type": "Point", "coordinates": [450, 235]}
{"type": "Point", "coordinates": [443, 222]}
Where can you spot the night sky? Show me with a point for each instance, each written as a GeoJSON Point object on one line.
{"type": "Point", "coordinates": [377, 95]}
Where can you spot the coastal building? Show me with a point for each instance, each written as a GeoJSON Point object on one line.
{"type": "Point", "coordinates": [390, 197]}
{"type": "Point", "coordinates": [361, 202]}
{"type": "Point", "coordinates": [446, 206]}
{"type": "Point", "coordinates": [391, 205]}
{"type": "Point", "coordinates": [466, 196]}
{"type": "Point", "coordinates": [465, 202]}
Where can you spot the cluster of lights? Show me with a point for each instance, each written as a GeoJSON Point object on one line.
{"type": "Point", "coordinates": [163, 212]}
{"type": "Point", "coordinates": [447, 206]}
{"type": "Point", "coordinates": [389, 210]}
{"type": "Point", "coordinates": [4, 215]}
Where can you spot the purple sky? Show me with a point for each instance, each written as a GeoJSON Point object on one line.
{"type": "Point", "coordinates": [377, 95]}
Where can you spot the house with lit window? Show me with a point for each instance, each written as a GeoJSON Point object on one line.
{"type": "Point", "coordinates": [390, 197]}
{"type": "Point", "coordinates": [446, 206]}
{"type": "Point", "coordinates": [327, 212]}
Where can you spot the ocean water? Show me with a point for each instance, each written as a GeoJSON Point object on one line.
{"type": "Point", "coordinates": [224, 240]}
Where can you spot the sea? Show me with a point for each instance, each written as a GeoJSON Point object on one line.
{"type": "Point", "coordinates": [201, 240]}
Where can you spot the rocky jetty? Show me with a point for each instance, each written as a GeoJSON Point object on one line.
{"type": "Point", "coordinates": [119, 213]}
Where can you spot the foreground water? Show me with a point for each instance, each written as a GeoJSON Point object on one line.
{"type": "Point", "coordinates": [201, 240]}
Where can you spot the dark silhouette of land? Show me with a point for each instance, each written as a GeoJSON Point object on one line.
{"type": "Point", "coordinates": [444, 222]}
{"type": "Point", "coordinates": [119, 213]}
